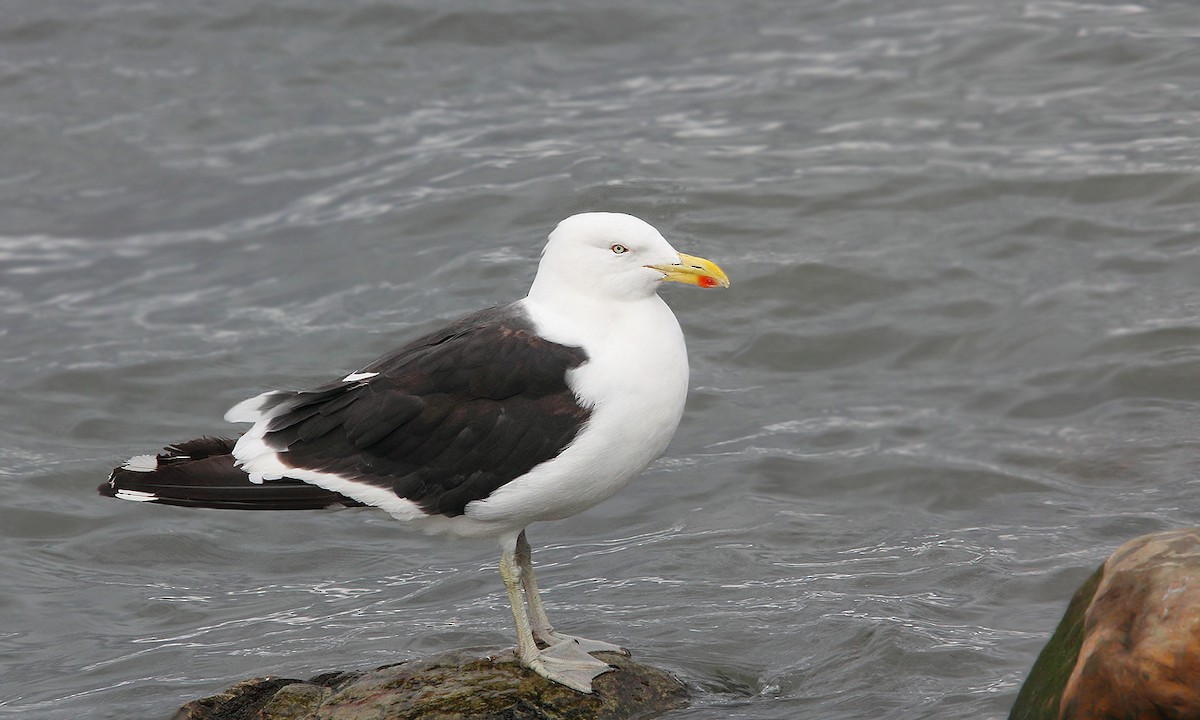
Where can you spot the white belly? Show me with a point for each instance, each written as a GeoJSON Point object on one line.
{"type": "Point", "coordinates": [636, 383]}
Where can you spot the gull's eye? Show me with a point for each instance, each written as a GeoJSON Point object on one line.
{"type": "Point", "coordinates": [619, 249]}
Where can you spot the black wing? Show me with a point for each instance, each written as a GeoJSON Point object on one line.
{"type": "Point", "coordinates": [201, 473]}
{"type": "Point", "coordinates": [447, 420]}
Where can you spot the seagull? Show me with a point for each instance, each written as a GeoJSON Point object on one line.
{"type": "Point", "coordinates": [534, 410]}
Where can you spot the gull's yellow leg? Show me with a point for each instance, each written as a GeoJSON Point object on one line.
{"type": "Point", "coordinates": [573, 668]}
{"type": "Point", "coordinates": [539, 623]}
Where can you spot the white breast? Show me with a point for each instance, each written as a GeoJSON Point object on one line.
{"type": "Point", "coordinates": [635, 381]}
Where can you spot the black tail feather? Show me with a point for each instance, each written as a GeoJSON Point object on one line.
{"type": "Point", "coordinates": [201, 473]}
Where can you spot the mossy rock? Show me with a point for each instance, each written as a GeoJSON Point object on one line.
{"type": "Point", "coordinates": [1129, 644]}
{"type": "Point", "coordinates": [447, 687]}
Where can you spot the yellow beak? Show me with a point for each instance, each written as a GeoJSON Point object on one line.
{"type": "Point", "coordinates": [694, 270]}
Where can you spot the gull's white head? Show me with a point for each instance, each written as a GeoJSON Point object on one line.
{"type": "Point", "coordinates": [614, 257]}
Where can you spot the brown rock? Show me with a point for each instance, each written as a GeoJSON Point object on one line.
{"type": "Point", "coordinates": [1140, 656]}
{"type": "Point", "coordinates": [1134, 653]}
{"type": "Point", "coordinates": [446, 687]}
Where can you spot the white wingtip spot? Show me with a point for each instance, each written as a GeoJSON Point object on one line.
{"type": "Point", "coordinates": [141, 463]}
{"type": "Point", "coordinates": [135, 495]}
{"type": "Point", "coordinates": [355, 377]}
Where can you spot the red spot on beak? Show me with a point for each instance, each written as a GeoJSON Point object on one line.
{"type": "Point", "coordinates": [705, 281]}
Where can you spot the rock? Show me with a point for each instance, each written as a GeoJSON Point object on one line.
{"type": "Point", "coordinates": [242, 700]}
{"type": "Point", "coordinates": [1129, 644]}
{"type": "Point", "coordinates": [446, 687]}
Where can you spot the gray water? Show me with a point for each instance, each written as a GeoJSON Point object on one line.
{"type": "Point", "coordinates": [957, 367]}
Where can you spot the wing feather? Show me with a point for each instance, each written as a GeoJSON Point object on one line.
{"type": "Point", "coordinates": [446, 420]}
